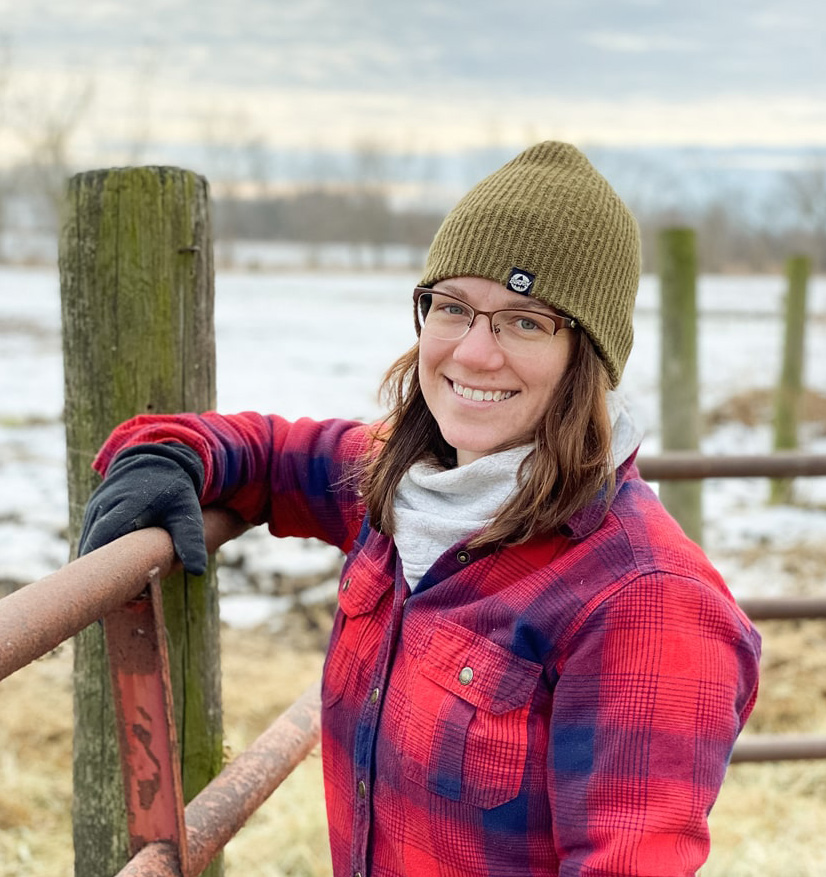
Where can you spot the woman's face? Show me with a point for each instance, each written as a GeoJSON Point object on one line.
{"type": "Point", "coordinates": [521, 386]}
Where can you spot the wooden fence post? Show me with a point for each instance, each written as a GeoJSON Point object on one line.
{"type": "Point", "coordinates": [679, 382]}
{"type": "Point", "coordinates": [137, 291]}
{"type": "Point", "coordinates": [789, 391]}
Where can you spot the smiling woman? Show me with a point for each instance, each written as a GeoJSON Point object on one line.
{"type": "Point", "coordinates": [489, 387]}
{"type": "Point", "coordinates": [532, 670]}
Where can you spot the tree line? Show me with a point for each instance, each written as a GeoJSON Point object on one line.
{"type": "Point", "coordinates": [729, 239]}
{"type": "Point", "coordinates": [366, 215]}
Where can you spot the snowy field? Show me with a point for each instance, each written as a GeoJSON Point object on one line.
{"type": "Point", "coordinates": [317, 344]}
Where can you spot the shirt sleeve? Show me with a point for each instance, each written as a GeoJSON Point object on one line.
{"type": "Point", "coordinates": [300, 478]}
{"type": "Point", "coordinates": [654, 688]}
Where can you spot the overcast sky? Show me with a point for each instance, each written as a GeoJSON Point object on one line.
{"type": "Point", "coordinates": [450, 73]}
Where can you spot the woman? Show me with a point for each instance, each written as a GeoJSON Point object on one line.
{"type": "Point", "coordinates": [532, 670]}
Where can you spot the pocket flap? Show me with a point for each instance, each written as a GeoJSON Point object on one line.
{"type": "Point", "coordinates": [477, 670]}
{"type": "Point", "coordinates": [362, 585]}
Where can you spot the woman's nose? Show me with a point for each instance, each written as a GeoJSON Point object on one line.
{"type": "Point", "coordinates": [479, 347]}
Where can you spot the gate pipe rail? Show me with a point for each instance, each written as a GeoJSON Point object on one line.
{"type": "Point", "coordinates": [214, 816]}
{"type": "Point", "coordinates": [678, 465]}
{"type": "Point", "coordinates": [778, 747]}
{"type": "Point", "coordinates": [37, 618]}
{"type": "Point", "coordinates": [684, 465]}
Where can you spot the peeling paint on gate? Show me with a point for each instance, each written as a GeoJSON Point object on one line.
{"type": "Point", "coordinates": [142, 692]}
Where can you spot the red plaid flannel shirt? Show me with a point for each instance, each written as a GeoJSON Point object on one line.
{"type": "Point", "coordinates": [564, 707]}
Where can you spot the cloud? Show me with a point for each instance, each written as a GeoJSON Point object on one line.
{"type": "Point", "coordinates": [323, 72]}
{"type": "Point", "coordinates": [638, 43]}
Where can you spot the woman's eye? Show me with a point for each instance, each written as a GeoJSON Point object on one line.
{"type": "Point", "coordinates": [451, 309]}
{"type": "Point", "coordinates": [525, 325]}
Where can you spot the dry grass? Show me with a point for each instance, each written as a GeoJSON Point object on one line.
{"type": "Point", "coordinates": [769, 818]}
{"type": "Point", "coordinates": [768, 821]}
{"type": "Point", "coordinates": [35, 769]}
{"type": "Point", "coordinates": [287, 837]}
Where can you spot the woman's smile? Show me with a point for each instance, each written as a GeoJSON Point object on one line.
{"type": "Point", "coordinates": [477, 395]}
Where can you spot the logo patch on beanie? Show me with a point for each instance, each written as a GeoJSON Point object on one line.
{"type": "Point", "coordinates": [520, 281]}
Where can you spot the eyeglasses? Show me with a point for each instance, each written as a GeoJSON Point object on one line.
{"type": "Point", "coordinates": [521, 332]}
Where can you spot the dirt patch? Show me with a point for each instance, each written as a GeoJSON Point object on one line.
{"type": "Point", "coordinates": [756, 407]}
{"type": "Point", "coordinates": [800, 568]}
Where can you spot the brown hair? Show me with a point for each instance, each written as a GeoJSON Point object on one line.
{"type": "Point", "coordinates": [569, 466]}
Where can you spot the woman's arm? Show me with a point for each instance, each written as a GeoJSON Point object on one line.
{"type": "Point", "coordinates": [296, 477]}
{"type": "Point", "coordinates": [655, 687]}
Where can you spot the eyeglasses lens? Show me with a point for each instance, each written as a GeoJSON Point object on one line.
{"type": "Point", "coordinates": [519, 332]}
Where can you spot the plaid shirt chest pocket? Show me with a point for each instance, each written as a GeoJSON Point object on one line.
{"type": "Point", "coordinates": [365, 596]}
{"type": "Point", "coordinates": [467, 723]}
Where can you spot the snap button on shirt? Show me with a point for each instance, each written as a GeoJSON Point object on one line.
{"type": "Point", "coordinates": [463, 556]}
{"type": "Point", "coordinates": [466, 675]}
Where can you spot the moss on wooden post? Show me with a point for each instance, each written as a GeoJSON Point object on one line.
{"type": "Point", "coordinates": [137, 292]}
{"type": "Point", "coordinates": [679, 382]}
{"type": "Point", "coordinates": [789, 391]}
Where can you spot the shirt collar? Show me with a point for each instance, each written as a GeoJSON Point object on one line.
{"type": "Point", "coordinates": [589, 517]}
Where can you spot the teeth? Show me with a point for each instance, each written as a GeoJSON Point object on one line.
{"type": "Point", "coordinates": [481, 395]}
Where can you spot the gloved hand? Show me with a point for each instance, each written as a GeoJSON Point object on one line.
{"type": "Point", "coordinates": [150, 485]}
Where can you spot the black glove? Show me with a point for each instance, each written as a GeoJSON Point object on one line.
{"type": "Point", "coordinates": [150, 485]}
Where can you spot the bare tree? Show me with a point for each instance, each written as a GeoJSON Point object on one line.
{"type": "Point", "coordinates": [46, 126]}
{"type": "Point", "coordinates": [805, 195]}
{"type": "Point", "coordinates": [5, 78]}
{"type": "Point", "coordinates": [237, 159]}
{"type": "Point", "coordinates": [424, 201]}
{"type": "Point", "coordinates": [149, 63]}
{"type": "Point", "coordinates": [370, 195]}
{"type": "Point", "coordinates": [5, 181]}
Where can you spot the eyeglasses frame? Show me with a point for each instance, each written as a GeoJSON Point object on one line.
{"type": "Point", "coordinates": [560, 322]}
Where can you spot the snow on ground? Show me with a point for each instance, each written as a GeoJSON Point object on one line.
{"type": "Point", "coordinates": [317, 345]}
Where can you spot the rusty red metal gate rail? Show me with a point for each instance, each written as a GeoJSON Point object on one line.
{"type": "Point", "coordinates": [120, 583]}
{"type": "Point", "coordinates": [214, 817]}
{"type": "Point", "coordinates": [37, 618]}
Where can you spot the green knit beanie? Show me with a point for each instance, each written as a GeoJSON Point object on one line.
{"type": "Point", "coordinates": [549, 225]}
